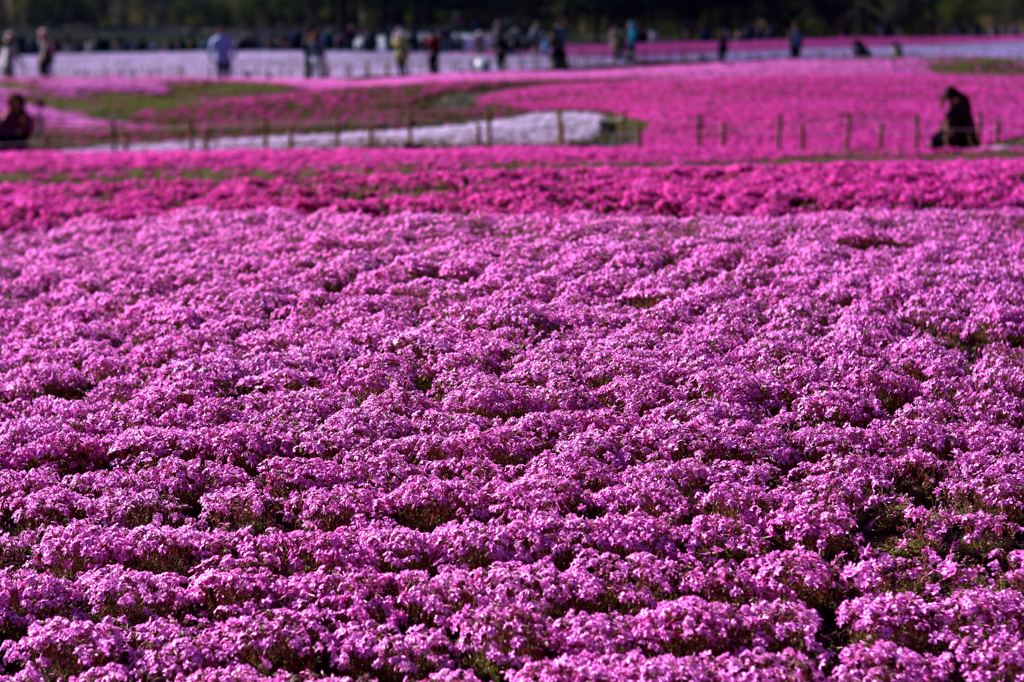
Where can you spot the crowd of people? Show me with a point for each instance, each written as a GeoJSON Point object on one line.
{"type": "Point", "coordinates": [503, 39]}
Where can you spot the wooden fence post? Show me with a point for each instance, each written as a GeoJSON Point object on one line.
{"type": "Point", "coordinates": [561, 128]}
{"type": "Point", "coordinates": [408, 130]}
{"type": "Point", "coordinates": [479, 134]}
{"type": "Point", "coordinates": [881, 136]}
{"type": "Point", "coordinates": [291, 138]}
{"type": "Point", "coordinates": [803, 136]}
{"type": "Point", "coordinates": [266, 133]}
{"type": "Point", "coordinates": [723, 133]}
{"type": "Point", "coordinates": [41, 130]}
{"type": "Point", "coordinates": [191, 134]}
{"type": "Point", "coordinates": [999, 131]}
{"type": "Point", "coordinates": [917, 132]}
{"type": "Point", "coordinates": [848, 135]}
{"type": "Point", "coordinates": [699, 130]}
{"type": "Point", "coordinates": [206, 139]}
{"type": "Point", "coordinates": [490, 130]}
{"type": "Point", "coordinates": [337, 132]}
{"type": "Point", "coordinates": [778, 132]}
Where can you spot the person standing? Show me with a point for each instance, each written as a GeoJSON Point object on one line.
{"type": "Point", "coordinates": [796, 39]}
{"type": "Point", "coordinates": [723, 44]}
{"type": "Point", "coordinates": [221, 49]}
{"type": "Point", "coordinates": [500, 42]}
{"type": "Point", "coordinates": [400, 45]}
{"type": "Point", "coordinates": [433, 46]}
{"type": "Point", "coordinates": [323, 41]}
{"type": "Point", "coordinates": [8, 53]}
{"type": "Point", "coordinates": [632, 35]}
{"type": "Point", "coordinates": [534, 36]}
{"type": "Point", "coordinates": [313, 47]}
{"type": "Point", "coordinates": [616, 42]}
{"type": "Point", "coordinates": [307, 53]}
{"type": "Point", "coordinates": [558, 59]}
{"type": "Point", "coordinates": [46, 49]}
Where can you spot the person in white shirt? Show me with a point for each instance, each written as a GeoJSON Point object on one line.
{"type": "Point", "coordinates": [8, 53]}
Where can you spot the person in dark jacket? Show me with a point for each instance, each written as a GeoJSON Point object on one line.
{"type": "Point", "coordinates": [47, 48]}
{"type": "Point", "coordinates": [17, 126]}
{"type": "Point", "coordinates": [313, 49]}
{"type": "Point", "coordinates": [433, 46]}
{"type": "Point", "coordinates": [796, 39]}
{"type": "Point", "coordinates": [958, 125]}
{"type": "Point", "coordinates": [500, 41]}
{"type": "Point", "coordinates": [558, 59]}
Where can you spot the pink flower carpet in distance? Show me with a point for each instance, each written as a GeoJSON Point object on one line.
{"type": "Point", "coordinates": [746, 97]}
{"type": "Point", "coordinates": [43, 189]}
{"type": "Point", "coordinates": [529, 447]}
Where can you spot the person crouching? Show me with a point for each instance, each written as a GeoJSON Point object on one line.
{"type": "Point", "coordinates": [16, 128]}
{"type": "Point", "coordinates": [958, 126]}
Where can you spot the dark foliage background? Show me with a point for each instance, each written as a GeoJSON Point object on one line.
{"type": "Point", "coordinates": [584, 18]}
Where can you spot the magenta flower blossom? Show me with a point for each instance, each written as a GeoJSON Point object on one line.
{"type": "Point", "coordinates": [44, 189]}
{"type": "Point", "coordinates": [278, 444]}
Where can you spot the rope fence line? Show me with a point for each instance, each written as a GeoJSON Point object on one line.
{"type": "Point", "coordinates": [336, 131]}
{"type": "Point", "coordinates": [845, 134]}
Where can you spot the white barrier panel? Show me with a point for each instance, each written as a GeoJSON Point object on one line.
{"type": "Point", "coordinates": [535, 128]}
{"type": "Point", "coordinates": [262, 63]}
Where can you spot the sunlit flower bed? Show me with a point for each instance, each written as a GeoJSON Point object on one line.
{"type": "Point", "coordinates": [44, 189]}
{"type": "Point", "coordinates": [519, 447]}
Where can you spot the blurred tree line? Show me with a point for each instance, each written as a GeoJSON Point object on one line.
{"type": "Point", "coordinates": [582, 17]}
